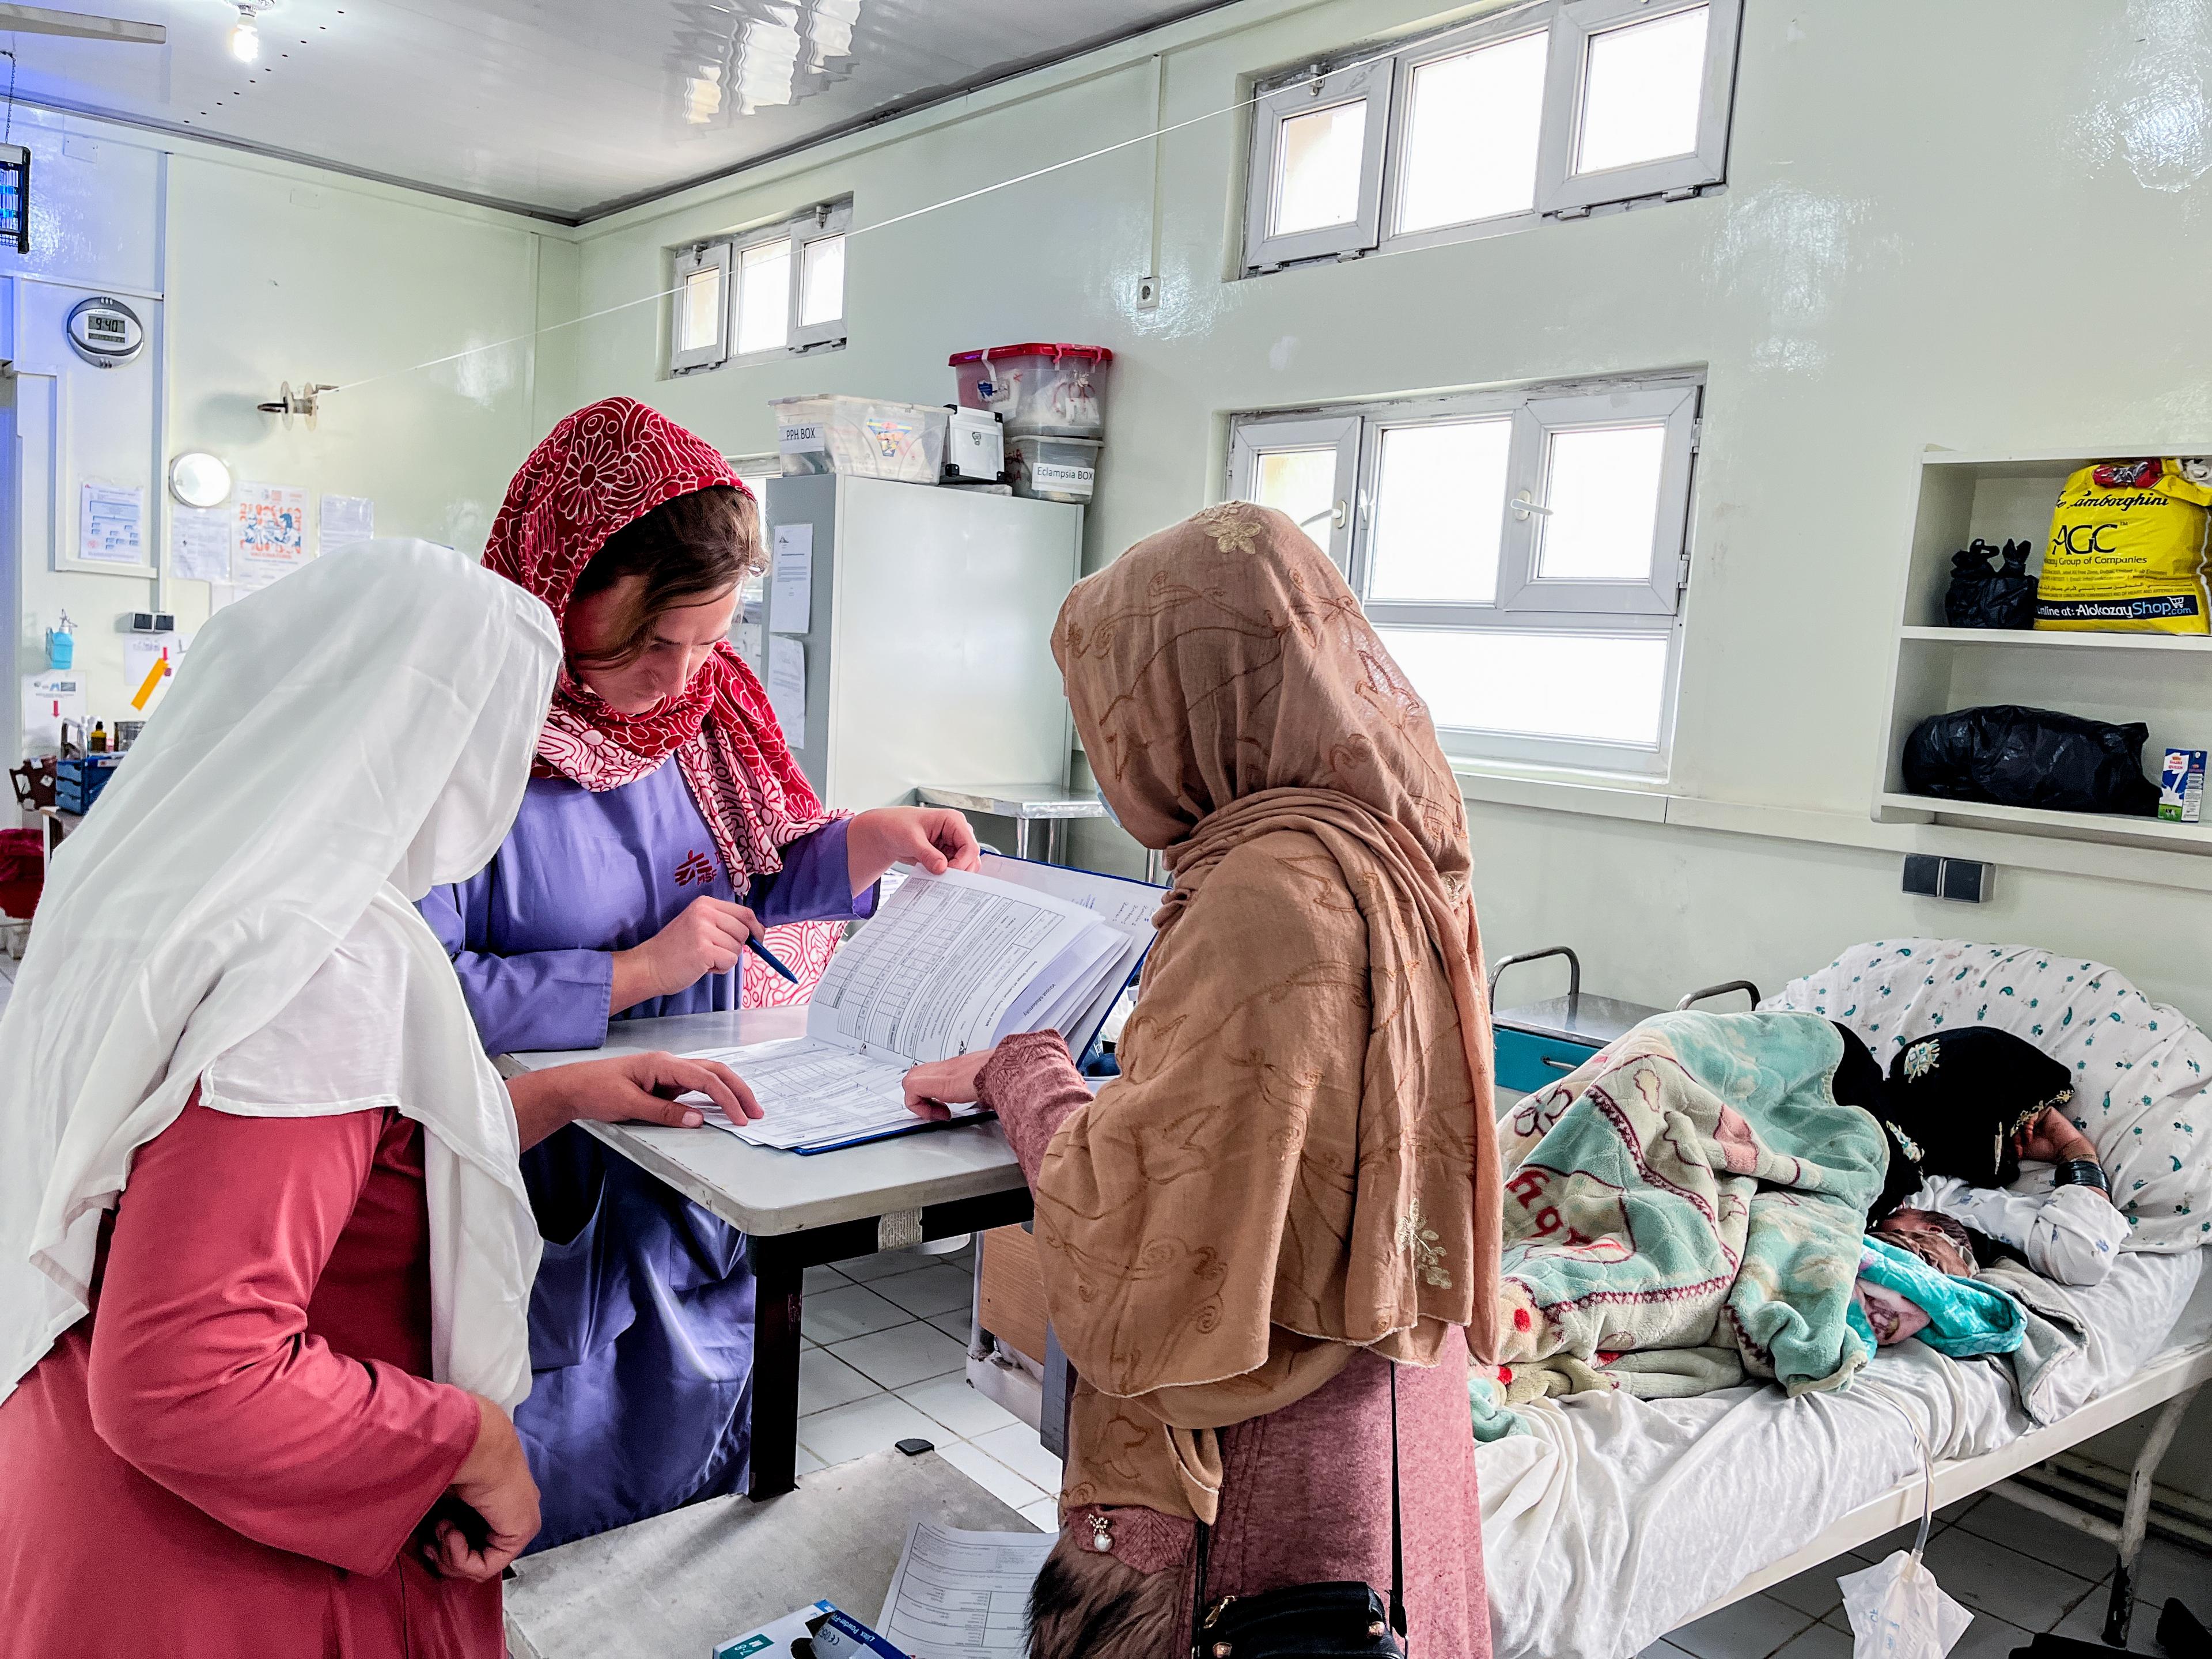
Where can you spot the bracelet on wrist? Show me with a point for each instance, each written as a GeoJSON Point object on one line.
{"type": "Point", "coordinates": [2081, 1172]}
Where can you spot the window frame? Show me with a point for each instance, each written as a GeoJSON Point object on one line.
{"type": "Point", "coordinates": [1308, 94]}
{"type": "Point", "coordinates": [1341, 433]}
{"type": "Point", "coordinates": [1651, 608]}
{"type": "Point", "coordinates": [817, 224]}
{"type": "Point", "coordinates": [1512, 25]}
{"type": "Point", "coordinates": [705, 256]}
{"type": "Point", "coordinates": [828, 220]}
{"type": "Point", "coordinates": [1559, 192]}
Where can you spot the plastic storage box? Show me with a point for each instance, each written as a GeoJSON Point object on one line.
{"type": "Point", "coordinates": [1055, 389]}
{"type": "Point", "coordinates": [868, 437]}
{"type": "Point", "coordinates": [1050, 468]}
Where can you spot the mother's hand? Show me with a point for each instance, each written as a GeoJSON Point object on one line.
{"type": "Point", "coordinates": [626, 1089]}
{"type": "Point", "coordinates": [934, 1088]}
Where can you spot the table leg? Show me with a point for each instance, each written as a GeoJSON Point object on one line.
{"type": "Point", "coordinates": [778, 1274]}
{"type": "Point", "coordinates": [1021, 838]}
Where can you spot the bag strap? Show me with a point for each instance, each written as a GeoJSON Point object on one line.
{"type": "Point", "coordinates": [1202, 1549]}
{"type": "Point", "coordinates": [1397, 1531]}
{"type": "Point", "coordinates": [1201, 1544]}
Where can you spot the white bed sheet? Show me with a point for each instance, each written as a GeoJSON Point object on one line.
{"type": "Point", "coordinates": [1617, 1519]}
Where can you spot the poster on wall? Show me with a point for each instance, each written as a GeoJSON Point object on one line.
{"type": "Point", "coordinates": [270, 532]}
{"type": "Point", "coordinates": [48, 700]}
{"type": "Point", "coordinates": [200, 543]}
{"type": "Point", "coordinates": [343, 520]}
{"type": "Point", "coordinates": [111, 525]}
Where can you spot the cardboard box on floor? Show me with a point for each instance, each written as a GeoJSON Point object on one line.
{"type": "Point", "coordinates": [1010, 1296]}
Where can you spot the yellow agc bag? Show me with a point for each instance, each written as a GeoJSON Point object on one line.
{"type": "Point", "coordinates": [2127, 550]}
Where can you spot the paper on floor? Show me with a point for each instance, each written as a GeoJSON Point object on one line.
{"type": "Point", "coordinates": [963, 1594]}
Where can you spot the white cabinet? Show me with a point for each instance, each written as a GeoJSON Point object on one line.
{"type": "Point", "coordinates": [928, 638]}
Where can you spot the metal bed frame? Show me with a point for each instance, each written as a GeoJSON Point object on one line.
{"type": "Point", "coordinates": [2168, 1385]}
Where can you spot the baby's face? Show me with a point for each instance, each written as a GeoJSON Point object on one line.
{"type": "Point", "coordinates": [1912, 1230]}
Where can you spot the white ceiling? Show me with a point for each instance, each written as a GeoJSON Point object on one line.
{"type": "Point", "coordinates": [564, 108]}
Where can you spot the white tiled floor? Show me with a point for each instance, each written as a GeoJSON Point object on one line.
{"type": "Point", "coordinates": [2017, 1572]}
{"type": "Point", "coordinates": [886, 1359]}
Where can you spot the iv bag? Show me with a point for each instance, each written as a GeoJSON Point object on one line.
{"type": "Point", "coordinates": [1898, 1611]}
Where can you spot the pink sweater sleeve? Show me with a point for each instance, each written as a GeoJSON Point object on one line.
{"type": "Point", "coordinates": [202, 1374]}
{"type": "Point", "coordinates": [1034, 1087]}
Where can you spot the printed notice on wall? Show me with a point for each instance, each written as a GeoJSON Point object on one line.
{"type": "Point", "coordinates": [787, 685]}
{"type": "Point", "coordinates": [48, 700]}
{"type": "Point", "coordinates": [200, 543]}
{"type": "Point", "coordinates": [148, 662]}
{"type": "Point", "coordinates": [271, 522]}
{"type": "Point", "coordinates": [113, 524]}
{"type": "Point", "coordinates": [791, 582]}
{"type": "Point", "coordinates": [346, 519]}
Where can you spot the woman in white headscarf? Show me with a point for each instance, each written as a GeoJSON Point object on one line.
{"type": "Point", "coordinates": [265, 1247]}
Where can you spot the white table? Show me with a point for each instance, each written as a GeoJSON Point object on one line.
{"type": "Point", "coordinates": [802, 1211]}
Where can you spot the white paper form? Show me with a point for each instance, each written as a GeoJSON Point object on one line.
{"type": "Point", "coordinates": [963, 1594]}
{"type": "Point", "coordinates": [791, 598]}
{"type": "Point", "coordinates": [936, 974]}
{"type": "Point", "coordinates": [200, 543]}
{"type": "Point", "coordinates": [787, 685]}
{"type": "Point", "coordinates": [341, 520]}
{"type": "Point", "coordinates": [812, 1094]}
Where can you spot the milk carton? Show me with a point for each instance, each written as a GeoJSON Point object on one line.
{"type": "Point", "coordinates": [2181, 786]}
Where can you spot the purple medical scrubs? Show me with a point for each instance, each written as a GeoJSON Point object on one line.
{"type": "Point", "coordinates": [640, 1319]}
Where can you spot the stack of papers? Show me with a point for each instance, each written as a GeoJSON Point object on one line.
{"type": "Point", "coordinates": [951, 964]}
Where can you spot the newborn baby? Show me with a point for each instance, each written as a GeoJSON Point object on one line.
{"type": "Point", "coordinates": [1937, 1240]}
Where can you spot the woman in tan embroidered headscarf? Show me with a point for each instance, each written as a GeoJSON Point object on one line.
{"type": "Point", "coordinates": [1294, 1180]}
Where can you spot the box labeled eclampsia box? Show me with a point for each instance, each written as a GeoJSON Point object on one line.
{"type": "Point", "coordinates": [2181, 786]}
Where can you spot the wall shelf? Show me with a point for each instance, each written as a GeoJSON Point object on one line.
{"type": "Point", "coordinates": [2162, 680]}
{"type": "Point", "coordinates": [1900, 808]}
{"type": "Point", "coordinates": [2198, 644]}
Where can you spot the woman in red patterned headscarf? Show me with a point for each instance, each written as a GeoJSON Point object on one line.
{"type": "Point", "coordinates": [627, 888]}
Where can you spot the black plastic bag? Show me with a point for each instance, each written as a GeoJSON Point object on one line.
{"type": "Point", "coordinates": [1979, 597]}
{"type": "Point", "coordinates": [2015, 756]}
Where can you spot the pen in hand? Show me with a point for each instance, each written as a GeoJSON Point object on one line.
{"type": "Point", "coordinates": [753, 945]}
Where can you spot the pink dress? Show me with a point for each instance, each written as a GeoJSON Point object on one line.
{"type": "Point", "coordinates": [229, 1454]}
{"type": "Point", "coordinates": [1305, 1492]}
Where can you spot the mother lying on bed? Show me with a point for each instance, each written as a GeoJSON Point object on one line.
{"type": "Point", "coordinates": [1691, 1207]}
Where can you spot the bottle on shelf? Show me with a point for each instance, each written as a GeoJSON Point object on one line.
{"type": "Point", "coordinates": [97, 743]}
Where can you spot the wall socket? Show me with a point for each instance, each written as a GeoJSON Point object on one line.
{"type": "Point", "coordinates": [1963, 881]}
{"type": "Point", "coordinates": [1148, 293]}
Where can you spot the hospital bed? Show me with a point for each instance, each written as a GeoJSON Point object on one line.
{"type": "Point", "coordinates": [1615, 1520]}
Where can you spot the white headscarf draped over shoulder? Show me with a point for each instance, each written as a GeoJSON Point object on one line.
{"type": "Point", "coordinates": [334, 747]}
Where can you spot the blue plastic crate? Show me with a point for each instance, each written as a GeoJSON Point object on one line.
{"type": "Point", "coordinates": [78, 779]}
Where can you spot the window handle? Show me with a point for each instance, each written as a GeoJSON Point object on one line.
{"type": "Point", "coordinates": [1337, 513]}
{"type": "Point", "coordinates": [1524, 504]}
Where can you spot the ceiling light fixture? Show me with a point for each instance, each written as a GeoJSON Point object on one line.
{"type": "Point", "coordinates": [245, 37]}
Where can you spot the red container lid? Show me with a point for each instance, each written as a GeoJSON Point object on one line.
{"type": "Point", "coordinates": [1099, 353]}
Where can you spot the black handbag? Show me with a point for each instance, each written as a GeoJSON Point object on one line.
{"type": "Point", "coordinates": [1307, 1621]}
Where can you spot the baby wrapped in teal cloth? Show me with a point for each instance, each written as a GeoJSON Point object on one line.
{"type": "Point", "coordinates": [1914, 1281]}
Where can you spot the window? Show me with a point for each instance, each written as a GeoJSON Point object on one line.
{"type": "Point", "coordinates": [1551, 108]}
{"type": "Point", "coordinates": [759, 295]}
{"type": "Point", "coordinates": [1523, 554]}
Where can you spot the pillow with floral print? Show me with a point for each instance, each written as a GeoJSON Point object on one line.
{"type": "Point", "coordinates": [2143, 1073]}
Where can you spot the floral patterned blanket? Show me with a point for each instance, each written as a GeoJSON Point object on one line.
{"type": "Point", "coordinates": [1686, 1209]}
